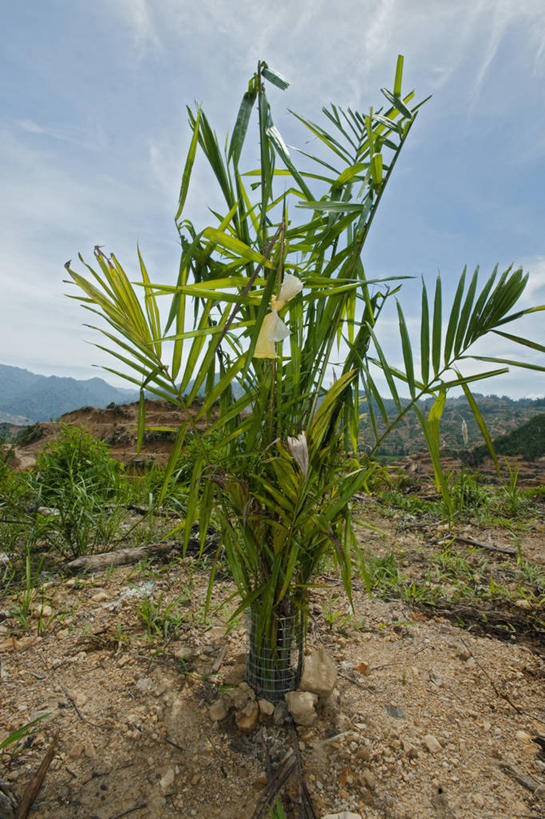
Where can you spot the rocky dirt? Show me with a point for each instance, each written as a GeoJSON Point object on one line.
{"type": "Point", "coordinates": [428, 719]}
{"type": "Point", "coordinates": [117, 426]}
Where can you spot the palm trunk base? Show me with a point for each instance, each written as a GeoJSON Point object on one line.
{"type": "Point", "coordinates": [274, 659]}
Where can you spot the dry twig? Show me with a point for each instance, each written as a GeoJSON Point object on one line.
{"type": "Point", "coordinates": [33, 787]}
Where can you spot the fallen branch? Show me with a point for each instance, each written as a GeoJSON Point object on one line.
{"type": "Point", "coordinates": [504, 550]}
{"type": "Point", "coordinates": [138, 806]}
{"type": "Point", "coordinates": [219, 660]}
{"type": "Point", "coordinates": [275, 785]}
{"type": "Point", "coordinates": [306, 808]}
{"type": "Point", "coordinates": [33, 787]}
{"type": "Point", "coordinates": [530, 783]}
{"type": "Point", "coordinates": [121, 557]}
{"type": "Point", "coordinates": [499, 693]}
{"type": "Point", "coordinates": [72, 702]}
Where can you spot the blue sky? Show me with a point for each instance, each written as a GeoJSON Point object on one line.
{"type": "Point", "coordinates": [94, 133]}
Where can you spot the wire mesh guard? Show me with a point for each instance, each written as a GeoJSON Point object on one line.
{"type": "Point", "coordinates": [273, 666]}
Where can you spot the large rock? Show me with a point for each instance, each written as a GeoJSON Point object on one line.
{"type": "Point", "coordinates": [301, 705]}
{"type": "Point", "coordinates": [319, 673]}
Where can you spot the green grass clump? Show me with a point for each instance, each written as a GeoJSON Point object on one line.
{"type": "Point", "coordinates": [76, 476]}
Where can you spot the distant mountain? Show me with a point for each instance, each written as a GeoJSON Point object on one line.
{"type": "Point", "coordinates": [41, 397]}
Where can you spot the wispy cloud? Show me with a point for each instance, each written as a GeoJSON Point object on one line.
{"type": "Point", "coordinates": [89, 138]}
{"type": "Point", "coordinates": [139, 16]}
{"type": "Point", "coordinates": [94, 152]}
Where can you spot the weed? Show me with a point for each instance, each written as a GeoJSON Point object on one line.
{"type": "Point", "coordinates": [121, 637]}
{"type": "Point", "coordinates": [380, 574]}
{"type": "Point", "coordinates": [276, 811]}
{"type": "Point", "coordinates": [422, 593]}
{"type": "Point", "coordinates": [529, 573]}
{"type": "Point", "coordinates": [22, 610]}
{"type": "Point", "coordinates": [77, 476]}
{"type": "Point", "coordinates": [395, 500]}
{"type": "Point", "coordinates": [514, 502]}
{"type": "Point", "coordinates": [162, 621]}
{"type": "Point", "coordinates": [336, 617]}
{"type": "Point", "coordinates": [20, 733]}
{"type": "Point", "coordinates": [466, 494]}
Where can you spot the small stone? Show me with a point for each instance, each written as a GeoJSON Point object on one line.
{"type": "Point", "coordinates": [45, 611]}
{"type": "Point", "coordinates": [523, 603]}
{"type": "Point", "coordinates": [478, 800]}
{"type": "Point", "coordinates": [363, 753]}
{"type": "Point", "coordinates": [463, 653]}
{"type": "Point", "coordinates": [247, 718]}
{"type": "Point", "coordinates": [431, 743]}
{"type": "Point", "coordinates": [369, 779]}
{"type": "Point", "coordinates": [167, 780]}
{"type": "Point", "coordinates": [523, 736]}
{"type": "Point", "coordinates": [76, 750]}
{"type": "Point", "coordinates": [80, 698]}
{"type": "Point", "coordinates": [99, 597]}
{"type": "Point", "coordinates": [395, 711]}
{"type": "Point", "coordinates": [145, 684]}
{"type": "Point", "coordinates": [435, 678]}
{"type": "Point", "coordinates": [281, 713]}
{"type": "Point", "coordinates": [409, 748]}
{"type": "Point", "coordinates": [235, 675]}
{"type": "Point", "coordinates": [344, 814]}
{"type": "Point", "coordinates": [266, 708]}
{"type": "Point", "coordinates": [183, 652]}
{"type": "Point", "coordinates": [301, 705]}
{"type": "Point", "coordinates": [218, 710]}
{"type": "Point", "coordinates": [216, 633]}
{"type": "Point", "coordinates": [319, 673]}
{"type": "Point", "coordinates": [48, 512]}
{"type": "Point", "coordinates": [239, 697]}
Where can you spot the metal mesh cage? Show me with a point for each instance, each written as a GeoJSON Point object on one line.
{"type": "Point", "coordinates": [273, 665]}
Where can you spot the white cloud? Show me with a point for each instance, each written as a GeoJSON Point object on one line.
{"type": "Point", "coordinates": [535, 289]}
{"type": "Point", "coordinates": [139, 17]}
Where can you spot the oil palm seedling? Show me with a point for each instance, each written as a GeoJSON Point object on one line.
{"type": "Point", "coordinates": [274, 321]}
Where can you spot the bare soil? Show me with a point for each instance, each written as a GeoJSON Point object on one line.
{"type": "Point", "coordinates": [434, 713]}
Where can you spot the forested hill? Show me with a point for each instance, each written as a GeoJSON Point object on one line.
{"type": "Point", "coordinates": [527, 440]}
{"type": "Point", "coordinates": [26, 395]}
{"type": "Point", "coordinates": [501, 414]}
